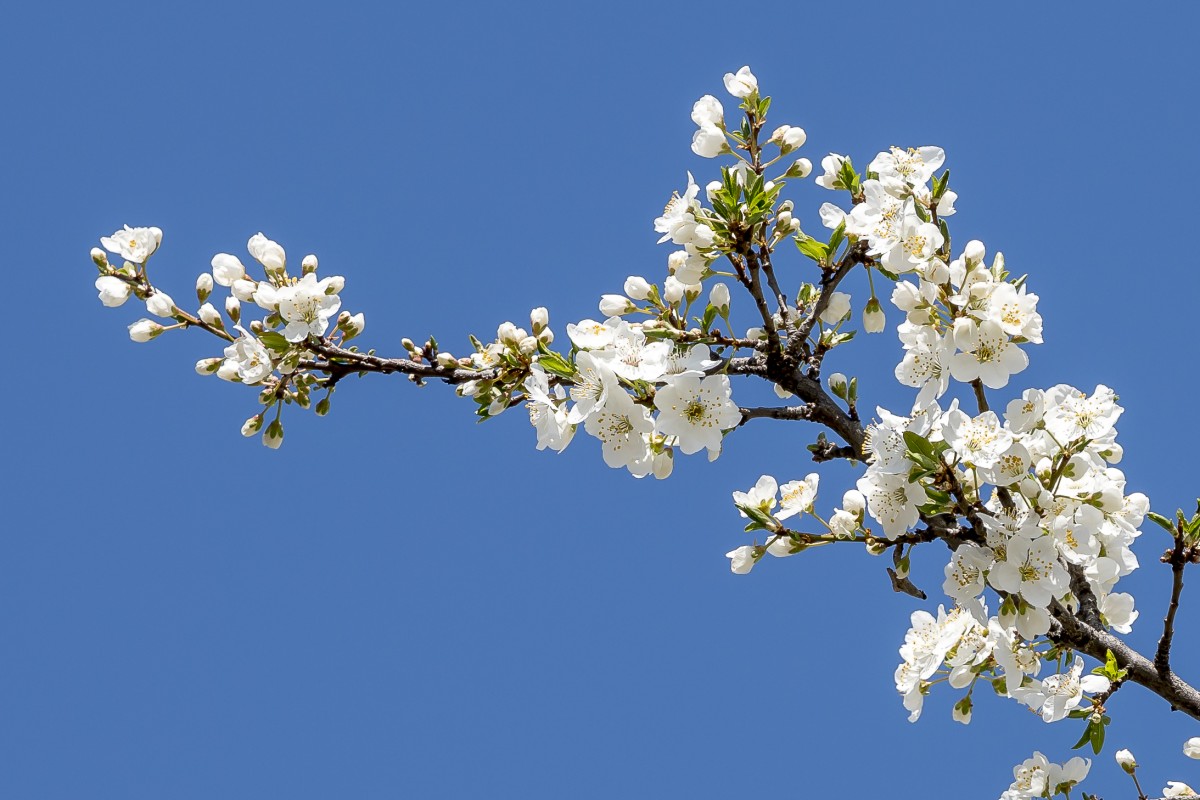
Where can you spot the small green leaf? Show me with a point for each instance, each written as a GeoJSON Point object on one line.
{"type": "Point", "coordinates": [815, 250]}
{"type": "Point", "coordinates": [1087, 737]}
{"type": "Point", "coordinates": [275, 341]}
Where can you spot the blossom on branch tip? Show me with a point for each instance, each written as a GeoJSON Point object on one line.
{"type": "Point", "coordinates": [133, 244]}
{"type": "Point", "coordinates": [741, 84]}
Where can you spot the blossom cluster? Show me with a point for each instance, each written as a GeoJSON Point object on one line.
{"type": "Point", "coordinates": [642, 395]}
{"type": "Point", "coordinates": [272, 352]}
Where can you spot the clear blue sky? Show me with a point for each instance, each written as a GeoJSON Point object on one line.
{"type": "Point", "coordinates": [402, 603]}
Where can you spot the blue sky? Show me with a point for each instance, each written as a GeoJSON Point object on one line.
{"type": "Point", "coordinates": [403, 603]}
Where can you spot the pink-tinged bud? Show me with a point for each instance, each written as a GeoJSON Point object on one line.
{"type": "Point", "coordinates": [252, 425]}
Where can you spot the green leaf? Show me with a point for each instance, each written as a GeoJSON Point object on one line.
{"type": "Point", "coordinates": [555, 363]}
{"type": "Point", "coordinates": [839, 236]}
{"type": "Point", "coordinates": [920, 445]}
{"type": "Point", "coordinates": [1097, 738]}
{"type": "Point", "coordinates": [275, 341]}
{"type": "Point", "coordinates": [1087, 737]}
{"type": "Point", "coordinates": [815, 250]}
{"type": "Point", "coordinates": [1162, 522]}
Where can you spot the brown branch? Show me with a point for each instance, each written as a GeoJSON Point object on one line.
{"type": "Point", "coordinates": [339, 362]}
{"type": "Point", "coordinates": [780, 412]}
{"type": "Point", "coordinates": [1177, 557]}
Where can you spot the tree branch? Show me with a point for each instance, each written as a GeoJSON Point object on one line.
{"type": "Point", "coordinates": [1177, 557]}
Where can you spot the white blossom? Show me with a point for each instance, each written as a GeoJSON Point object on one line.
{"type": "Point", "coordinates": [741, 84]}
{"type": "Point", "coordinates": [133, 244]}
{"type": "Point", "coordinates": [306, 307]}
{"type": "Point", "coordinates": [696, 411]}
{"type": "Point", "coordinates": [113, 291]}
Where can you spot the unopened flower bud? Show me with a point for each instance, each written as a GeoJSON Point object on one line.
{"type": "Point", "coordinates": [854, 502]}
{"type": "Point", "coordinates": [718, 297]}
{"type": "Point", "coordinates": [637, 287]}
{"type": "Point", "coordinates": [877, 547]}
{"type": "Point", "coordinates": [99, 258]}
{"type": "Point", "coordinates": [210, 316]}
{"type": "Point", "coordinates": [1126, 761]}
{"type": "Point", "coordinates": [874, 320]}
{"type": "Point", "coordinates": [309, 264]}
{"type": "Point", "coordinates": [334, 284]}
{"type": "Point", "coordinates": [788, 138]}
{"type": "Point", "coordinates": [507, 333]}
{"type": "Point", "coordinates": [673, 289]}
{"type": "Point", "coordinates": [234, 309]}
{"type": "Point", "coordinates": [244, 290]}
{"type": "Point", "coordinates": [204, 286]}
{"type": "Point", "coordinates": [446, 361]}
{"type": "Point", "coordinates": [160, 304]}
{"type": "Point", "coordinates": [837, 384]}
{"type": "Point", "coordinates": [974, 252]}
{"type": "Point", "coordinates": [962, 711]}
{"type": "Point", "coordinates": [546, 336]}
{"type": "Point", "coordinates": [227, 269]}
{"type": "Point", "coordinates": [252, 425]}
{"type": "Point", "coordinates": [784, 219]}
{"type": "Point", "coordinates": [539, 318]}
{"type": "Point", "coordinates": [801, 169]}
{"type": "Point", "coordinates": [1191, 748]}
{"type": "Point", "coordinates": [144, 330]}
{"type": "Point", "coordinates": [353, 325]}
{"type": "Point", "coordinates": [616, 305]}
{"type": "Point", "coordinates": [273, 435]}
{"type": "Point", "coordinates": [268, 253]}
{"type": "Point", "coordinates": [208, 366]}
{"type": "Point", "coordinates": [663, 464]}
{"type": "Point", "coordinates": [528, 345]}
{"type": "Point", "coordinates": [322, 407]}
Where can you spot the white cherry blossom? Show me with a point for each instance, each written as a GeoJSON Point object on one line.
{"type": "Point", "coordinates": [696, 411]}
